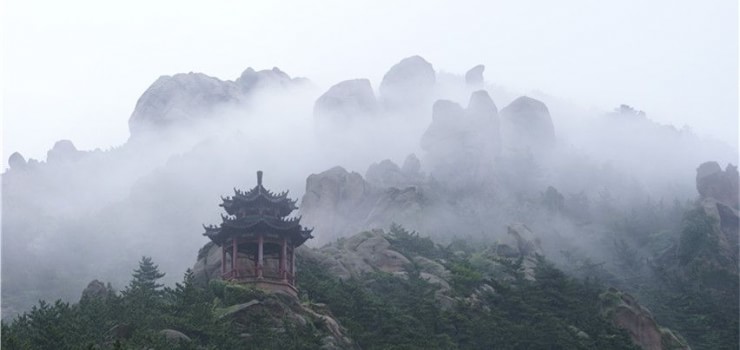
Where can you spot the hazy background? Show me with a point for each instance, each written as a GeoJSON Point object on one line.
{"type": "Point", "coordinates": [74, 69]}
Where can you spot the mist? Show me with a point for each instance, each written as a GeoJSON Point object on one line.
{"type": "Point", "coordinates": [438, 152]}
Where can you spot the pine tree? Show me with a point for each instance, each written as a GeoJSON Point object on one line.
{"type": "Point", "coordinates": [145, 278]}
{"type": "Point", "coordinates": [143, 298]}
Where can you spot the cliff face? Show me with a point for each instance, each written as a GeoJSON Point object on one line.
{"type": "Point", "coordinates": [626, 313]}
{"type": "Point", "coordinates": [708, 248]}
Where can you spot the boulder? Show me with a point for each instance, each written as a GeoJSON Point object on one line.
{"type": "Point", "coordinates": [208, 265]}
{"type": "Point", "coordinates": [362, 253]}
{"type": "Point", "coordinates": [63, 151]}
{"type": "Point", "coordinates": [712, 182]}
{"type": "Point", "coordinates": [345, 102]}
{"type": "Point", "coordinates": [431, 267]}
{"type": "Point", "coordinates": [411, 166]}
{"type": "Point", "coordinates": [95, 290]}
{"type": "Point", "coordinates": [526, 125]}
{"type": "Point", "coordinates": [482, 107]}
{"type": "Point", "coordinates": [336, 201]}
{"type": "Point", "coordinates": [447, 129]}
{"type": "Point", "coordinates": [16, 161]}
{"type": "Point", "coordinates": [386, 174]}
{"type": "Point", "coordinates": [272, 78]}
{"type": "Point", "coordinates": [521, 243]}
{"type": "Point", "coordinates": [408, 83]}
{"type": "Point", "coordinates": [474, 76]}
{"type": "Point", "coordinates": [462, 144]}
{"type": "Point", "coordinates": [521, 237]}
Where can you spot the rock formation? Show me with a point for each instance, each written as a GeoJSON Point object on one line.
{"type": "Point", "coordinates": [362, 253]}
{"type": "Point", "coordinates": [182, 98]}
{"type": "Point", "coordinates": [275, 78]}
{"type": "Point", "coordinates": [345, 102]}
{"type": "Point", "coordinates": [462, 143]}
{"type": "Point", "coordinates": [722, 186]}
{"type": "Point", "coordinates": [385, 174]}
{"type": "Point", "coordinates": [407, 83]}
{"type": "Point", "coordinates": [95, 289]}
{"type": "Point", "coordinates": [520, 243]}
{"type": "Point", "coordinates": [411, 166]}
{"type": "Point", "coordinates": [709, 241]}
{"type": "Point", "coordinates": [526, 125]}
{"type": "Point", "coordinates": [474, 76]}
{"type": "Point", "coordinates": [626, 313]}
{"type": "Point", "coordinates": [63, 151]}
{"type": "Point", "coordinates": [337, 202]}
{"type": "Point", "coordinates": [16, 161]}
{"type": "Point", "coordinates": [208, 264]}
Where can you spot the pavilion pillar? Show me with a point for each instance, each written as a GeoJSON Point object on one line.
{"type": "Point", "coordinates": [292, 265]}
{"type": "Point", "coordinates": [260, 243]}
{"type": "Point", "coordinates": [234, 252]}
{"type": "Point", "coordinates": [284, 260]}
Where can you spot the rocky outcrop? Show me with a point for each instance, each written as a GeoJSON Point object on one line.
{"type": "Point", "coordinates": [411, 166]}
{"type": "Point", "coordinates": [526, 125]}
{"type": "Point", "coordinates": [474, 76]}
{"type": "Point", "coordinates": [362, 253]}
{"type": "Point", "coordinates": [208, 264]}
{"type": "Point", "coordinates": [346, 101]}
{"type": "Point", "coordinates": [274, 78]}
{"type": "Point", "coordinates": [407, 83]}
{"type": "Point", "coordinates": [461, 144]}
{"type": "Point", "coordinates": [626, 313]}
{"type": "Point", "coordinates": [16, 161]}
{"type": "Point", "coordinates": [385, 174]}
{"type": "Point", "coordinates": [519, 243]}
{"type": "Point", "coordinates": [388, 174]}
{"type": "Point", "coordinates": [180, 98]}
{"type": "Point", "coordinates": [243, 305]}
{"type": "Point", "coordinates": [709, 239]}
{"type": "Point", "coordinates": [95, 290]}
{"type": "Point", "coordinates": [62, 152]}
{"type": "Point", "coordinates": [371, 251]}
{"type": "Point", "coordinates": [722, 186]}
{"type": "Point", "coordinates": [183, 98]}
{"type": "Point", "coordinates": [337, 203]}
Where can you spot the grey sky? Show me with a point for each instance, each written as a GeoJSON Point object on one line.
{"type": "Point", "coordinates": [74, 69]}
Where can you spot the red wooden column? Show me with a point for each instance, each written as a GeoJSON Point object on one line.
{"type": "Point", "coordinates": [284, 261]}
{"type": "Point", "coordinates": [260, 242]}
{"type": "Point", "coordinates": [292, 265]}
{"type": "Point", "coordinates": [234, 270]}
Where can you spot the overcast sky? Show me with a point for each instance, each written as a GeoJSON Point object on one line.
{"type": "Point", "coordinates": [74, 69]}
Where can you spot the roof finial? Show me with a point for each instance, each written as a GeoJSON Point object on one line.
{"type": "Point", "coordinates": [259, 177]}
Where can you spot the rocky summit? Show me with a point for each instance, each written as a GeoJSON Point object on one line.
{"type": "Point", "coordinates": [407, 83]}
{"type": "Point", "coordinates": [182, 99]}
{"type": "Point", "coordinates": [345, 101]}
{"type": "Point", "coordinates": [527, 125]}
